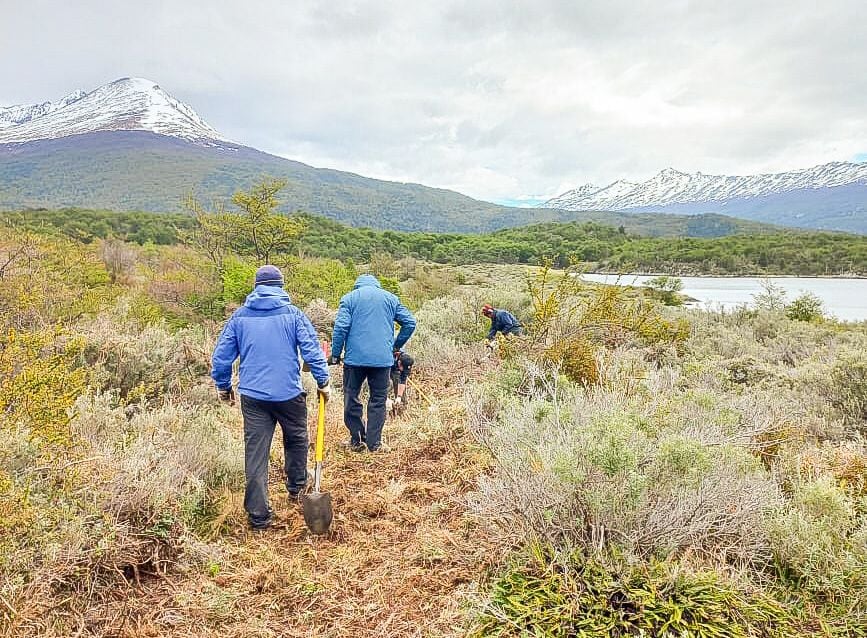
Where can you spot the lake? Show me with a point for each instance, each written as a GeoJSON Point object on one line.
{"type": "Point", "coordinates": [845, 299]}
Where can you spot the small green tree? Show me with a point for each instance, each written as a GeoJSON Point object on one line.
{"type": "Point", "coordinates": [667, 289]}
{"type": "Point", "coordinates": [255, 232]}
{"type": "Point", "coordinates": [262, 233]}
{"type": "Point", "coordinates": [772, 297]}
{"type": "Point", "coordinates": [807, 307]}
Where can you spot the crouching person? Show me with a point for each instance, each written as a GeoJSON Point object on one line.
{"type": "Point", "coordinates": [400, 372]}
{"type": "Point", "coordinates": [268, 332]}
{"type": "Point", "coordinates": [502, 321]}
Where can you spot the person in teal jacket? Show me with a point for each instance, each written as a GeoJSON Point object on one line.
{"type": "Point", "coordinates": [364, 329]}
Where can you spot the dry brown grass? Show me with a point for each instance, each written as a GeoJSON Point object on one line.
{"type": "Point", "coordinates": [400, 553]}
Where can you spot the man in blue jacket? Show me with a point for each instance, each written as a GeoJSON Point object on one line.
{"type": "Point", "coordinates": [268, 332]}
{"type": "Point", "coordinates": [365, 329]}
{"type": "Point", "coordinates": [502, 321]}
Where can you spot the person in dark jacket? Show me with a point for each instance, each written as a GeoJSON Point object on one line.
{"type": "Point", "coordinates": [400, 372]}
{"type": "Point", "coordinates": [502, 321]}
{"type": "Point", "coordinates": [364, 328]}
{"type": "Point", "coordinates": [268, 333]}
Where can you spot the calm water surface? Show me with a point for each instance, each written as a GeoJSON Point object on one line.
{"type": "Point", "coordinates": [845, 299]}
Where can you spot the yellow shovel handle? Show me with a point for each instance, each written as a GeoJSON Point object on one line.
{"type": "Point", "coordinates": [320, 430]}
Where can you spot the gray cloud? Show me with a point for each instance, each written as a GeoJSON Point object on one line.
{"type": "Point", "coordinates": [498, 99]}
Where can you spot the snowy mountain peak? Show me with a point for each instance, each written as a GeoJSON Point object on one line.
{"type": "Point", "coordinates": [127, 104]}
{"type": "Point", "coordinates": [671, 187]}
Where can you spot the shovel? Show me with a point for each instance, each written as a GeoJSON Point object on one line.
{"type": "Point", "coordinates": [316, 504]}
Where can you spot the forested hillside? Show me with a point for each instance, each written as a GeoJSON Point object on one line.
{"type": "Point", "coordinates": [139, 170]}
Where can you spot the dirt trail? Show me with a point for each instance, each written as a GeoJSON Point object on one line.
{"type": "Point", "coordinates": [399, 558]}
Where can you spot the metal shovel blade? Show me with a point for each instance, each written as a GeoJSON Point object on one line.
{"type": "Point", "coordinates": [317, 512]}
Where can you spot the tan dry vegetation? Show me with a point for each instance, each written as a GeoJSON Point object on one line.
{"type": "Point", "coordinates": [400, 550]}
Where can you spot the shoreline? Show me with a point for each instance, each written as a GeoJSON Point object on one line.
{"type": "Point", "coordinates": [724, 276]}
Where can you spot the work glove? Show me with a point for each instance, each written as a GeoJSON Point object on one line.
{"type": "Point", "coordinates": [324, 391]}
{"type": "Point", "coordinates": [333, 360]}
{"type": "Point", "coordinates": [226, 396]}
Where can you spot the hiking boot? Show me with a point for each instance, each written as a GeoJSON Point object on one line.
{"type": "Point", "coordinates": [381, 449]}
{"type": "Point", "coordinates": [306, 488]}
{"type": "Point", "coordinates": [261, 527]}
{"type": "Point", "coordinates": [353, 446]}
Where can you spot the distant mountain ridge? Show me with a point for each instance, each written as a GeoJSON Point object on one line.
{"type": "Point", "coordinates": [128, 104]}
{"type": "Point", "coordinates": [799, 197]}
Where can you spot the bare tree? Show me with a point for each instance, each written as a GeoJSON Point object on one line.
{"type": "Point", "coordinates": [119, 259]}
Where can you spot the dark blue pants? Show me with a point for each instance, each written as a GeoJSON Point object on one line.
{"type": "Point", "coordinates": [378, 380]}
{"type": "Point", "coordinates": [260, 419]}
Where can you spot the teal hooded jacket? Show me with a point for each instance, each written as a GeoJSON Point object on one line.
{"type": "Point", "coordinates": [365, 325]}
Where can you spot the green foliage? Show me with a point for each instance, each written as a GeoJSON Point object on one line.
{"type": "Point", "coordinates": [39, 381]}
{"type": "Point", "coordinates": [806, 307]}
{"type": "Point", "coordinates": [86, 225]}
{"type": "Point", "coordinates": [565, 311]}
{"type": "Point", "coordinates": [666, 289]}
{"type": "Point", "coordinates": [309, 279]}
{"type": "Point", "coordinates": [601, 597]}
{"type": "Point", "coordinates": [772, 298]}
{"type": "Point", "coordinates": [256, 231]}
{"type": "Point", "coordinates": [237, 277]}
{"type": "Point", "coordinates": [604, 247]}
{"type": "Point", "coordinates": [818, 546]}
{"type": "Point", "coordinates": [848, 386]}
{"type": "Point", "coordinates": [391, 284]}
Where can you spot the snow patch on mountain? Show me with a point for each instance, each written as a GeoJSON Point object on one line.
{"type": "Point", "coordinates": [128, 104]}
{"type": "Point", "coordinates": [674, 187]}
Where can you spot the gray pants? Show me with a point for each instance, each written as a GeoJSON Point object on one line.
{"type": "Point", "coordinates": [260, 419]}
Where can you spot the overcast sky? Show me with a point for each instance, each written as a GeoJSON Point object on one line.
{"type": "Point", "coordinates": [502, 100]}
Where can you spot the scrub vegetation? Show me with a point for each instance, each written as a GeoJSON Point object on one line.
{"type": "Point", "coordinates": [627, 468]}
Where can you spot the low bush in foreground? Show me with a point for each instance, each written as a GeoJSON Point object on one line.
{"type": "Point", "coordinates": [605, 597]}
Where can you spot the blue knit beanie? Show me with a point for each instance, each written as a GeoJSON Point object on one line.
{"type": "Point", "coordinates": [269, 276]}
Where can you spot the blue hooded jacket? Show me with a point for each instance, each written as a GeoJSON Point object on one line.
{"type": "Point", "coordinates": [267, 332]}
{"type": "Point", "coordinates": [365, 325]}
{"type": "Point", "coordinates": [503, 321]}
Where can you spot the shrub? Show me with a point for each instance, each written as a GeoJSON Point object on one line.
{"type": "Point", "coordinates": [143, 361]}
{"type": "Point", "coordinates": [427, 283]}
{"type": "Point", "coordinates": [818, 543]}
{"type": "Point", "coordinates": [666, 289]}
{"type": "Point", "coordinates": [575, 358]}
{"type": "Point", "coordinates": [391, 284]}
{"type": "Point", "coordinates": [806, 307]}
{"type": "Point", "coordinates": [772, 298]}
{"type": "Point", "coordinates": [309, 279]}
{"type": "Point", "coordinates": [847, 388]}
{"type": "Point", "coordinates": [39, 381]}
{"type": "Point", "coordinates": [174, 460]}
{"type": "Point", "coordinates": [594, 468]}
{"type": "Point", "coordinates": [237, 279]}
{"type": "Point", "coordinates": [119, 259]}
{"type": "Point", "coordinates": [601, 596]}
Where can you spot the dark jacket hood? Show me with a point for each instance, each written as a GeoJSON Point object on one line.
{"type": "Point", "coordinates": [366, 280]}
{"type": "Point", "coordinates": [267, 298]}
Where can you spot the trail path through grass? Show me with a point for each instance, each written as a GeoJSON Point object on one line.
{"type": "Point", "coordinates": [400, 556]}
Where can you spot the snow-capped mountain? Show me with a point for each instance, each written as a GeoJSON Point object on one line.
{"type": "Point", "coordinates": [670, 188]}
{"type": "Point", "coordinates": [128, 104]}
